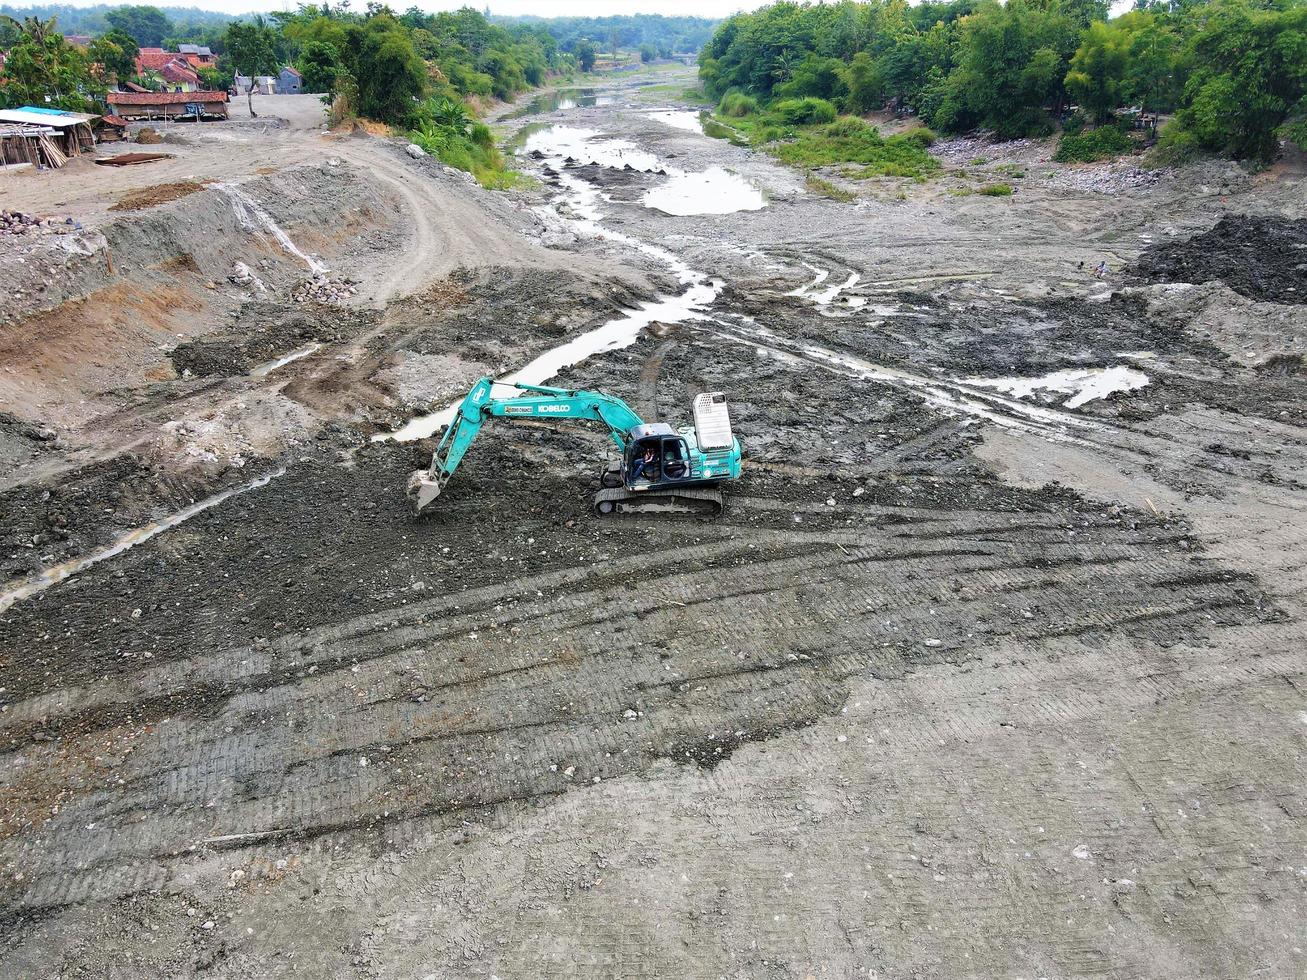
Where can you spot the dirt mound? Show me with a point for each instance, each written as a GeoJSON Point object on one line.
{"type": "Point", "coordinates": [1261, 258]}
{"type": "Point", "coordinates": [266, 331]}
{"type": "Point", "coordinates": [149, 197]}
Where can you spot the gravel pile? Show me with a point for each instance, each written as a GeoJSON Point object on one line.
{"type": "Point", "coordinates": [1108, 179]}
{"type": "Point", "coordinates": [18, 223]}
{"type": "Point", "coordinates": [332, 290]}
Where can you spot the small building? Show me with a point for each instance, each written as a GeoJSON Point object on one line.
{"type": "Point", "coordinates": [78, 40]}
{"type": "Point", "coordinates": [168, 105]}
{"type": "Point", "coordinates": [152, 59]}
{"type": "Point", "coordinates": [259, 84]}
{"type": "Point", "coordinates": [197, 55]}
{"type": "Point", "coordinates": [68, 133]}
{"type": "Point", "coordinates": [179, 77]}
{"type": "Point", "coordinates": [290, 82]}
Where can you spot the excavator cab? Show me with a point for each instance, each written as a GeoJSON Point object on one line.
{"type": "Point", "coordinates": [670, 452]}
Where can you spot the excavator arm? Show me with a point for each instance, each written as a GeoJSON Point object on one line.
{"type": "Point", "coordinates": [480, 404]}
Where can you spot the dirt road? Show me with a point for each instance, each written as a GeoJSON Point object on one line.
{"type": "Point", "coordinates": [992, 667]}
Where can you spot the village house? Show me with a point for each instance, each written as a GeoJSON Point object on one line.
{"type": "Point", "coordinates": [290, 82]}
{"type": "Point", "coordinates": [197, 55]}
{"type": "Point", "coordinates": [168, 105]}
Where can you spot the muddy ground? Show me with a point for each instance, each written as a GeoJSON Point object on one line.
{"type": "Point", "coordinates": [983, 672]}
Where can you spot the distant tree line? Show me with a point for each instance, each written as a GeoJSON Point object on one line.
{"type": "Point", "coordinates": [1233, 72]}
{"type": "Point", "coordinates": [659, 34]}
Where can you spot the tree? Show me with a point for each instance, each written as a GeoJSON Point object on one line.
{"type": "Point", "coordinates": [1249, 71]}
{"type": "Point", "coordinates": [320, 65]}
{"type": "Point", "coordinates": [147, 25]}
{"type": "Point", "coordinates": [115, 53]}
{"type": "Point", "coordinates": [648, 53]}
{"type": "Point", "coordinates": [250, 48]}
{"type": "Point", "coordinates": [41, 66]}
{"type": "Point", "coordinates": [585, 55]}
{"type": "Point", "coordinates": [1097, 79]}
{"type": "Point", "coordinates": [391, 76]}
{"type": "Point", "coordinates": [864, 84]}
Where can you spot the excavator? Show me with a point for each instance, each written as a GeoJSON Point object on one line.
{"type": "Point", "coordinates": [658, 469]}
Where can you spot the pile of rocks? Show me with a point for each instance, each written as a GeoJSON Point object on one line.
{"type": "Point", "coordinates": [331, 290]}
{"type": "Point", "coordinates": [14, 223]}
{"type": "Point", "coordinates": [1112, 179]}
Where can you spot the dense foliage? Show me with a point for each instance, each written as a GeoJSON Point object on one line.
{"type": "Point", "coordinates": [664, 36]}
{"type": "Point", "coordinates": [142, 24]}
{"type": "Point", "coordinates": [41, 65]}
{"type": "Point", "coordinates": [1233, 72]}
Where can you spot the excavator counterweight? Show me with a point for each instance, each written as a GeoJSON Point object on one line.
{"type": "Point", "coordinates": [658, 466]}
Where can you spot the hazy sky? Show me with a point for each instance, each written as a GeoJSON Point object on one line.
{"type": "Point", "coordinates": [548, 8]}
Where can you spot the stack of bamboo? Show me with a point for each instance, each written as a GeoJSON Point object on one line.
{"type": "Point", "coordinates": [54, 156]}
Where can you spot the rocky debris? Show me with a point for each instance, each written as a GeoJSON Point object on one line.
{"type": "Point", "coordinates": [1102, 178]}
{"type": "Point", "coordinates": [243, 275]}
{"type": "Point", "coordinates": [332, 290]}
{"type": "Point", "coordinates": [19, 223]}
{"type": "Point", "coordinates": [1262, 258]}
{"type": "Point", "coordinates": [415, 151]}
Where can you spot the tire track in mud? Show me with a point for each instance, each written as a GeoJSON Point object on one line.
{"type": "Point", "coordinates": [457, 704]}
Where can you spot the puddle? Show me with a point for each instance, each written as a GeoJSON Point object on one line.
{"type": "Point", "coordinates": [561, 99]}
{"type": "Point", "coordinates": [712, 191]}
{"type": "Point", "coordinates": [691, 122]}
{"type": "Point", "coordinates": [58, 573]}
{"type": "Point", "coordinates": [269, 366]}
{"type": "Point", "coordinates": [252, 217]}
{"type": "Point", "coordinates": [1082, 384]}
{"type": "Point", "coordinates": [942, 393]}
{"type": "Point", "coordinates": [584, 146]}
{"type": "Point", "coordinates": [613, 335]}
{"type": "Point", "coordinates": [583, 200]}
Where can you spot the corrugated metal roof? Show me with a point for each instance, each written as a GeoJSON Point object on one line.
{"type": "Point", "coordinates": [57, 118]}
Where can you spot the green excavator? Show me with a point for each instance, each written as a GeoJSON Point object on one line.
{"type": "Point", "coordinates": [658, 469]}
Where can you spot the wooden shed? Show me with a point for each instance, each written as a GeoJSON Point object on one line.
{"type": "Point", "coordinates": [168, 105]}
{"type": "Point", "coordinates": [69, 133]}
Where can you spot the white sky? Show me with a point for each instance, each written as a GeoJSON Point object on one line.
{"type": "Point", "coordinates": [549, 8]}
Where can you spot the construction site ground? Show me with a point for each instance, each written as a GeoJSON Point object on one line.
{"type": "Point", "coordinates": [993, 666]}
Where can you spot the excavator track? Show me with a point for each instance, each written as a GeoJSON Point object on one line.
{"type": "Point", "coordinates": [704, 501]}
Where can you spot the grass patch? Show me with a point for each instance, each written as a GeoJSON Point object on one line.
{"type": "Point", "coordinates": [960, 191]}
{"type": "Point", "coordinates": [826, 189]}
{"type": "Point", "coordinates": [1011, 170]}
{"type": "Point", "coordinates": [850, 140]}
{"type": "Point", "coordinates": [995, 190]}
{"type": "Point", "coordinates": [846, 140]}
{"type": "Point", "coordinates": [1096, 144]}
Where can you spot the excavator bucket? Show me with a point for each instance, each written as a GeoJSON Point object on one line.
{"type": "Point", "coordinates": [422, 490]}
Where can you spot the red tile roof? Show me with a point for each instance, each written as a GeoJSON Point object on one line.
{"type": "Point", "coordinates": [163, 98]}
{"type": "Point", "coordinates": [152, 59]}
{"type": "Point", "coordinates": [178, 71]}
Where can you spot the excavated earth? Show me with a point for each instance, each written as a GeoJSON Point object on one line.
{"type": "Point", "coordinates": [992, 666]}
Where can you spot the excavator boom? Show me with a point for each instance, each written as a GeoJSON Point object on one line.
{"type": "Point", "coordinates": [541, 402]}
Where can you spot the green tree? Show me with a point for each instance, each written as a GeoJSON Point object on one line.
{"type": "Point", "coordinates": [585, 55]}
{"type": "Point", "coordinates": [864, 84]}
{"type": "Point", "coordinates": [320, 65]}
{"type": "Point", "coordinates": [115, 53]}
{"type": "Point", "coordinates": [251, 47]}
{"type": "Point", "coordinates": [1248, 72]}
{"type": "Point", "coordinates": [1097, 79]}
{"type": "Point", "coordinates": [648, 53]}
{"type": "Point", "coordinates": [147, 25]}
{"type": "Point", "coordinates": [391, 76]}
{"type": "Point", "coordinates": [41, 66]}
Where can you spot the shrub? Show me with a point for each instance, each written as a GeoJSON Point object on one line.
{"type": "Point", "coordinates": [923, 136]}
{"type": "Point", "coordinates": [737, 104]}
{"type": "Point", "coordinates": [845, 126]}
{"type": "Point", "coordinates": [797, 112]}
{"type": "Point", "coordinates": [897, 156]}
{"type": "Point", "coordinates": [1176, 146]}
{"type": "Point", "coordinates": [1096, 144]}
{"type": "Point", "coordinates": [996, 190]}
